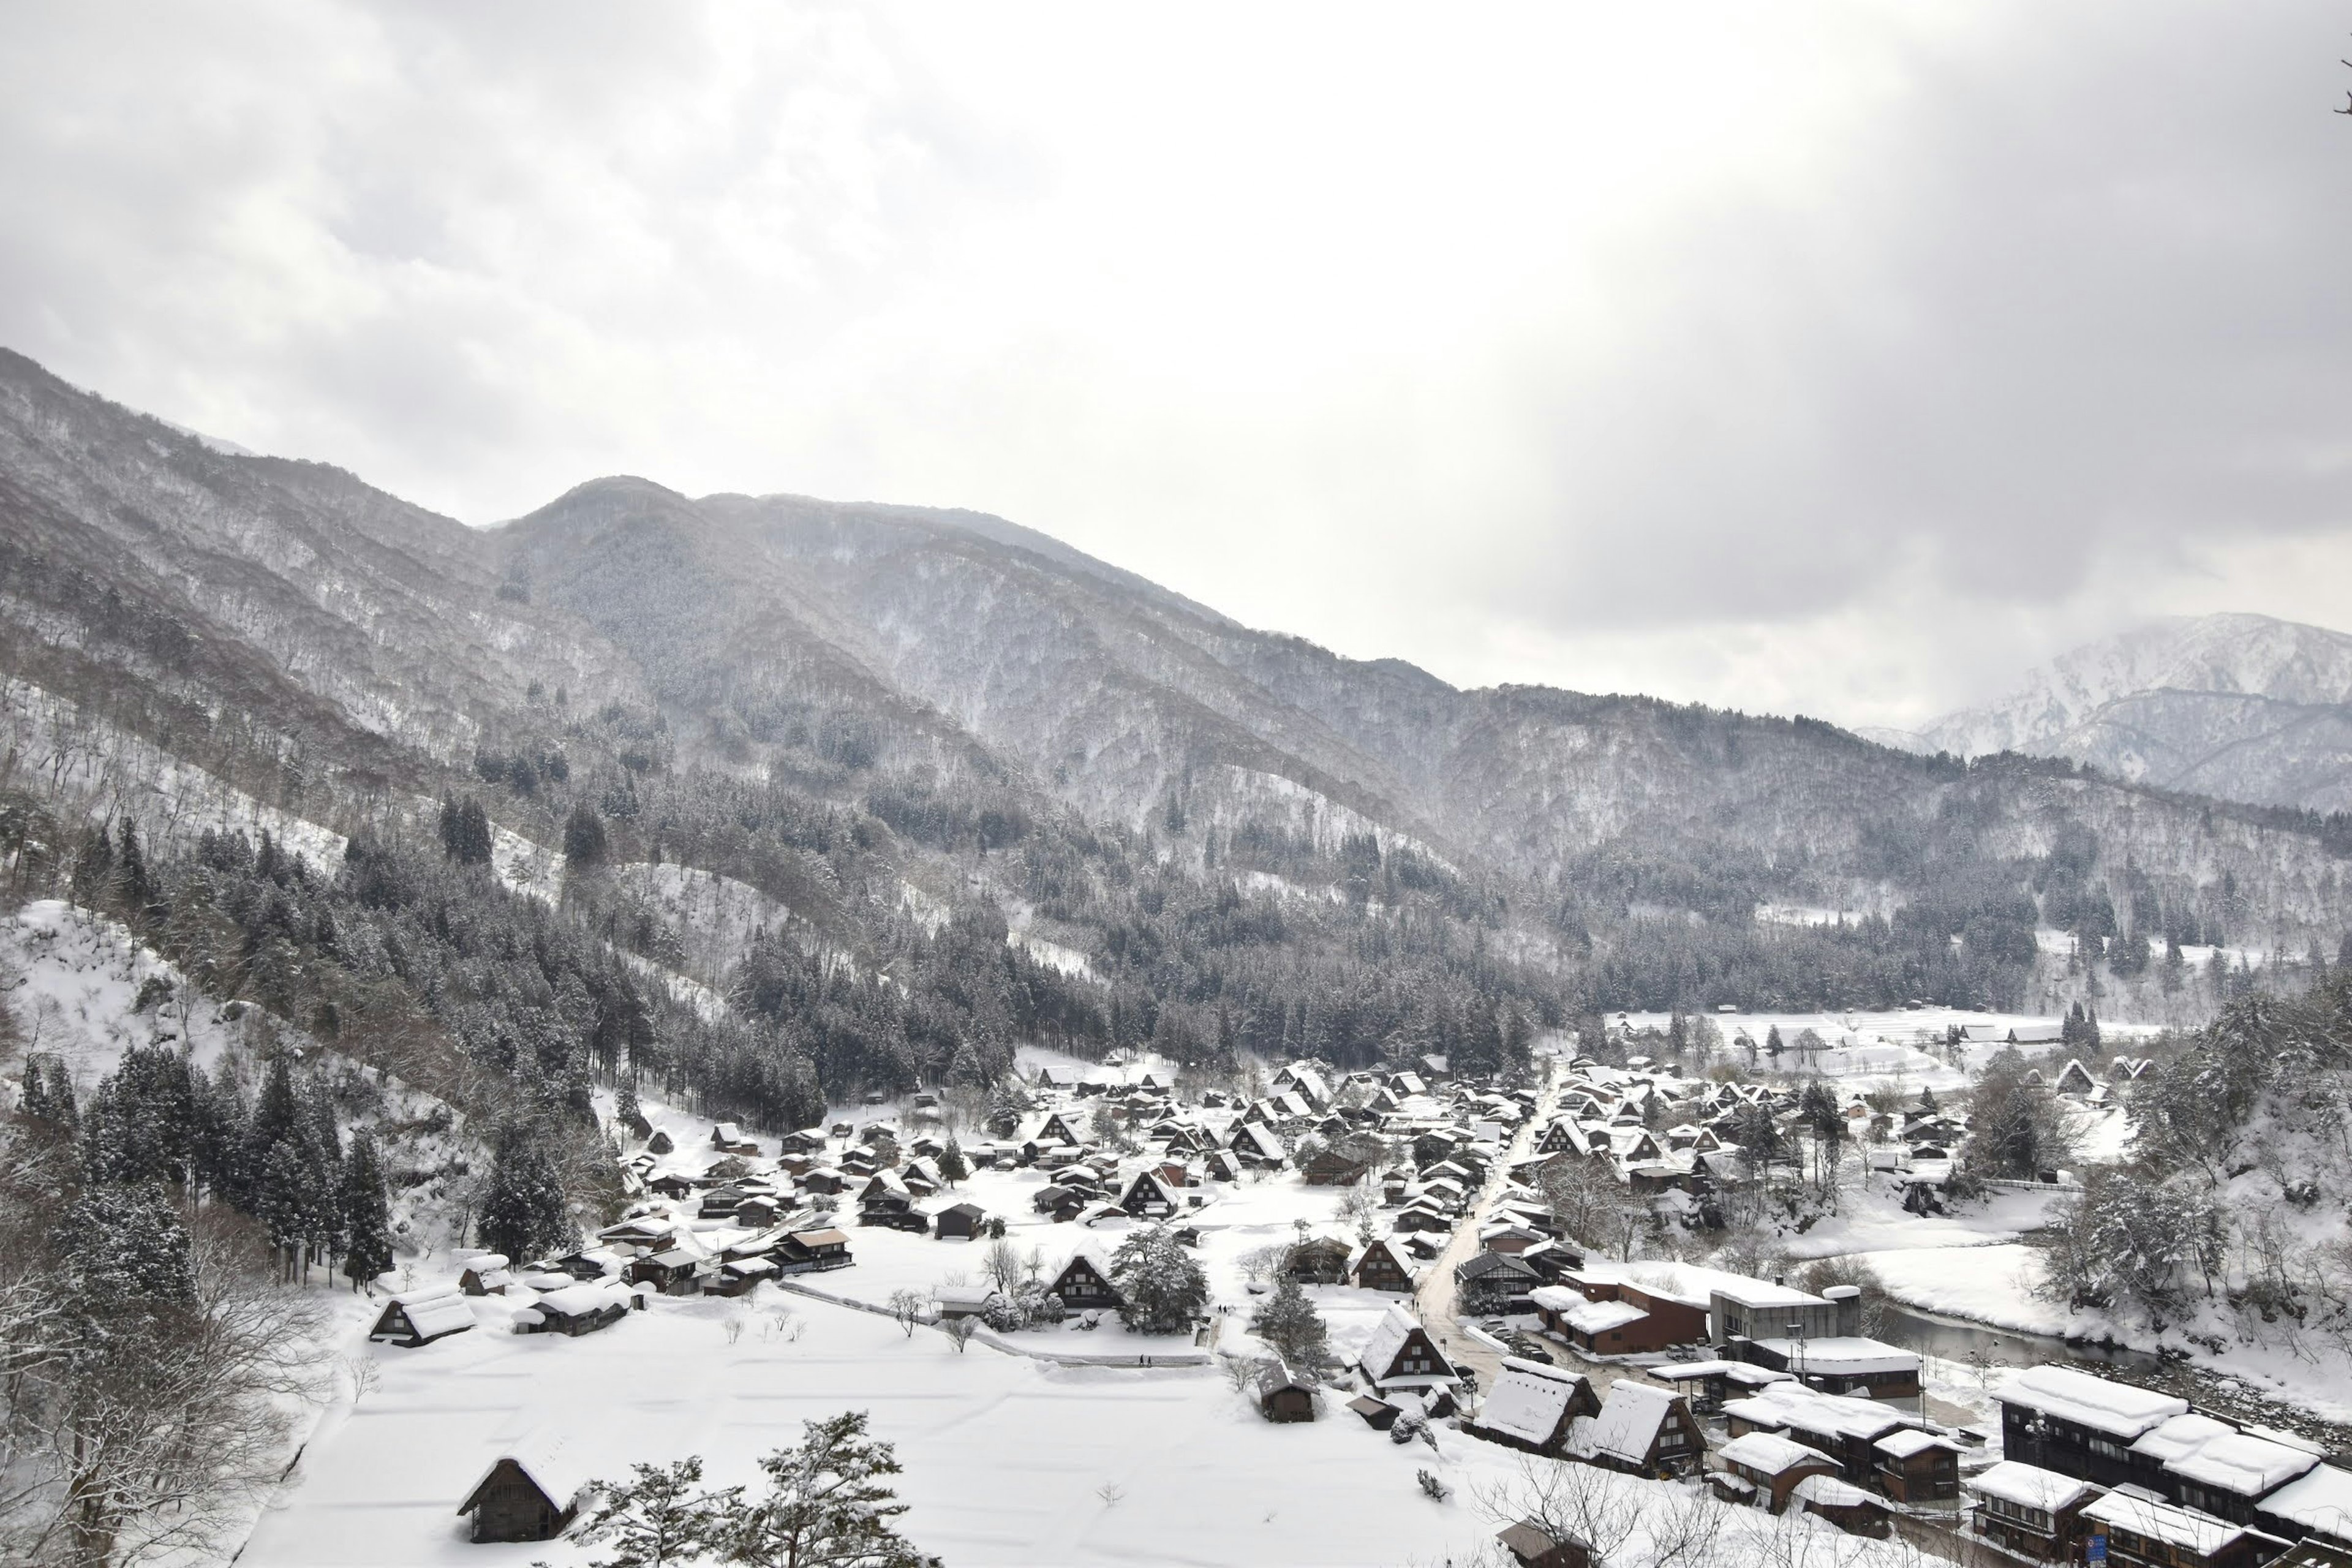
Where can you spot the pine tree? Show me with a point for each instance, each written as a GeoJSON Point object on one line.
{"type": "Point", "coordinates": [1289, 1324]}
{"type": "Point", "coordinates": [93, 871]}
{"type": "Point", "coordinates": [953, 1167]}
{"type": "Point", "coordinates": [130, 871]}
{"type": "Point", "coordinates": [366, 1211]}
{"type": "Point", "coordinates": [584, 844]}
{"type": "Point", "coordinates": [1161, 1290]}
{"type": "Point", "coordinates": [826, 1504]}
{"type": "Point", "coordinates": [524, 1212]}
{"type": "Point", "coordinates": [466, 831]}
{"type": "Point", "coordinates": [281, 1201]}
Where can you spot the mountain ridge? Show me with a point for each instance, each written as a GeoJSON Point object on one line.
{"type": "Point", "coordinates": [2233, 704]}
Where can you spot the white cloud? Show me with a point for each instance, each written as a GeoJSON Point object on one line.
{"type": "Point", "coordinates": [1835, 357]}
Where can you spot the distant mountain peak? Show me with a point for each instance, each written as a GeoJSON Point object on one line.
{"type": "Point", "coordinates": [2234, 704]}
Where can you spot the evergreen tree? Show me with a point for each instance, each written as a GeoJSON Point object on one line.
{"type": "Point", "coordinates": [1289, 1324]}
{"type": "Point", "coordinates": [826, 1504]}
{"type": "Point", "coordinates": [1161, 1288]}
{"type": "Point", "coordinates": [584, 844]}
{"type": "Point", "coordinates": [953, 1167]}
{"type": "Point", "coordinates": [282, 1201]}
{"type": "Point", "coordinates": [129, 1248]}
{"type": "Point", "coordinates": [466, 831]}
{"type": "Point", "coordinates": [524, 1212]}
{"type": "Point", "coordinates": [93, 870]}
{"type": "Point", "coordinates": [366, 1211]}
{"type": "Point", "coordinates": [130, 871]}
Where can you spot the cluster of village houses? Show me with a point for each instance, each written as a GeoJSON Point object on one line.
{"type": "Point", "coordinates": [1772, 1394]}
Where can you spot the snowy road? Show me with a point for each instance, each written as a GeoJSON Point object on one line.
{"type": "Point", "coordinates": [1437, 1297]}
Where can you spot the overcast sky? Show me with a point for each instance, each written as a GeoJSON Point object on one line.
{"type": "Point", "coordinates": [1839, 358]}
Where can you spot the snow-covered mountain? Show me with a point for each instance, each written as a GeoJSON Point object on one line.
{"type": "Point", "coordinates": [332, 649]}
{"type": "Point", "coordinates": [2239, 705]}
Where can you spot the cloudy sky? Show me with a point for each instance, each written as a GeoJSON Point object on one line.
{"type": "Point", "coordinates": [1839, 357]}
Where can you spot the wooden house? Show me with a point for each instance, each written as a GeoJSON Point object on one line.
{"type": "Point", "coordinates": [807, 1140]}
{"type": "Point", "coordinates": [824, 1182]}
{"type": "Point", "coordinates": [1256, 1146]}
{"type": "Point", "coordinates": [2143, 1532]}
{"type": "Point", "coordinates": [1377, 1266]}
{"type": "Point", "coordinates": [486, 1274]}
{"type": "Point", "coordinates": [1317, 1260]}
{"type": "Point", "coordinates": [661, 1142]}
{"type": "Point", "coordinates": [960, 1222]}
{"type": "Point", "coordinates": [1764, 1468]}
{"type": "Point", "coordinates": [1533, 1408]}
{"type": "Point", "coordinates": [1330, 1168]}
{"type": "Point", "coordinates": [965, 1300]}
{"type": "Point", "coordinates": [1646, 1430]}
{"type": "Point", "coordinates": [1842, 1504]}
{"type": "Point", "coordinates": [530, 1494]}
{"type": "Point", "coordinates": [1282, 1396]}
{"type": "Point", "coordinates": [672, 1273]}
{"type": "Point", "coordinates": [811, 1251]}
{"type": "Point", "coordinates": [886, 1200]}
{"type": "Point", "coordinates": [1084, 1282]}
{"type": "Point", "coordinates": [419, 1317]}
{"type": "Point", "coordinates": [1149, 1197]}
{"type": "Point", "coordinates": [1534, 1545]}
{"type": "Point", "coordinates": [1495, 1283]}
{"type": "Point", "coordinates": [672, 1185]}
{"type": "Point", "coordinates": [1400, 1354]}
{"type": "Point", "coordinates": [2032, 1511]}
{"type": "Point", "coordinates": [1913, 1466]}
{"type": "Point", "coordinates": [2078, 1424]}
{"type": "Point", "coordinates": [730, 1139]}
{"type": "Point", "coordinates": [2319, 1504]}
{"type": "Point", "coordinates": [758, 1210]}
{"type": "Point", "coordinates": [574, 1310]}
{"type": "Point", "coordinates": [738, 1276]}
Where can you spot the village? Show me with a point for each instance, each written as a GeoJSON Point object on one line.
{"type": "Point", "coordinates": [1458, 1314]}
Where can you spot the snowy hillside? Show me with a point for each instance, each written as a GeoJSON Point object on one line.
{"type": "Point", "coordinates": [2240, 706]}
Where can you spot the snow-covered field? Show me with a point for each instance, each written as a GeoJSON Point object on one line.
{"type": "Point", "coordinates": [1008, 1459]}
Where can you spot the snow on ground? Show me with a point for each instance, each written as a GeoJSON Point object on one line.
{"type": "Point", "coordinates": [73, 979]}
{"type": "Point", "coordinates": [1007, 1459]}
{"type": "Point", "coordinates": [1872, 1219]}
{"type": "Point", "coordinates": [73, 754]}
{"type": "Point", "coordinates": [1989, 1284]}
{"type": "Point", "coordinates": [714, 918]}
{"type": "Point", "coordinates": [1052, 954]}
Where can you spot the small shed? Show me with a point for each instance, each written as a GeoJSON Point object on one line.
{"type": "Point", "coordinates": [486, 1274]}
{"type": "Point", "coordinates": [530, 1493]}
{"type": "Point", "coordinates": [1377, 1413]}
{"type": "Point", "coordinates": [1843, 1504]}
{"type": "Point", "coordinates": [1283, 1396]}
{"type": "Point", "coordinates": [420, 1317]}
{"type": "Point", "coordinates": [960, 1222]}
{"type": "Point", "coordinates": [965, 1300]}
{"type": "Point", "coordinates": [574, 1310]}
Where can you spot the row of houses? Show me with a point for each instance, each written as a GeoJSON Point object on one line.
{"type": "Point", "coordinates": [2168, 1486]}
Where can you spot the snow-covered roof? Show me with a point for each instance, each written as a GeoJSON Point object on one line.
{"type": "Point", "coordinates": [1627, 1427]}
{"type": "Point", "coordinates": [1764, 1293]}
{"type": "Point", "coordinates": [439, 1310]}
{"type": "Point", "coordinates": [544, 1454]}
{"type": "Point", "coordinates": [1586, 1317]}
{"type": "Point", "coordinates": [1831, 1493]}
{"type": "Point", "coordinates": [1529, 1399]}
{"type": "Point", "coordinates": [1906, 1441]}
{"type": "Point", "coordinates": [2183, 1527]}
{"type": "Point", "coordinates": [2030, 1486]}
{"type": "Point", "coordinates": [1736, 1370]}
{"type": "Point", "coordinates": [1791, 1404]}
{"type": "Point", "coordinates": [573, 1299]}
{"type": "Point", "coordinates": [2215, 1454]}
{"type": "Point", "coordinates": [1842, 1356]}
{"type": "Point", "coordinates": [1769, 1453]}
{"type": "Point", "coordinates": [2116, 1408]}
{"type": "Point", "coordinates": [1387, 1339]}
{"type": "Point", "coordinates": [2321, 1501]}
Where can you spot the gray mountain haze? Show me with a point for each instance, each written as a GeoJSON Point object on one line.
{"type": "Point", "coordinates": [2241, 705]}
{"type": "Point", "coordinates": [285, 621]}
